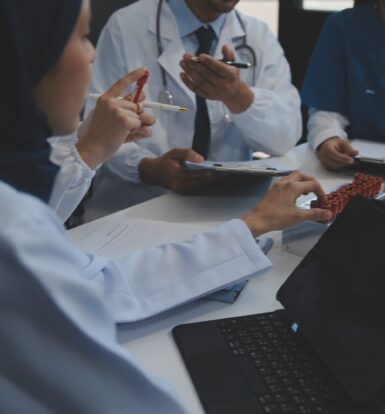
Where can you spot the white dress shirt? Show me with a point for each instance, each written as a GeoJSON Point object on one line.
{"type": "Point", "coordinates": [58, 307]}
{"type": "Point", "coordinates": [323, 125]}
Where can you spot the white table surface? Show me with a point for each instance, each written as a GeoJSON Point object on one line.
{"type": "Point", "coordinates": [150, 341]}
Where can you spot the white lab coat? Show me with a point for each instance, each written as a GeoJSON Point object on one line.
{"type": "Point", "coordinates": [58, 307]}
{"type": "Point", "coordinates": [272, 123]}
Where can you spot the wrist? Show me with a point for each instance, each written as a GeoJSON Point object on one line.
{"type": "Point", "coordinates": [90, 155]}
{"type": "Point", "coordinates": [146, 168]}
{"type": "Point", "coordinates": [241, 100]}
{"type": "Point", "coordinates": [257, 224]}
{"type": "Point", "coordinates": [325, 141]}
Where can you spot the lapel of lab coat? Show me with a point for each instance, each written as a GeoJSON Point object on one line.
{"type": "Point", "coordinates": [173, 48]}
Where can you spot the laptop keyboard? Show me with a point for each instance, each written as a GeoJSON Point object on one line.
{"type": "Point", "coordinates": [284, 373]}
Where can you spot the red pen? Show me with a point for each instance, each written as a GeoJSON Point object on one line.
{"type": "Point", "coordinates": [139, 86]}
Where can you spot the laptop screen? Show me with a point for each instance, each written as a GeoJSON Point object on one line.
{"type": "Point", "coordinates": [337, 297]}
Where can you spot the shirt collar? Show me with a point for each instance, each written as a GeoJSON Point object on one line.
{"type": "Point", "coordinates": [188, 22]}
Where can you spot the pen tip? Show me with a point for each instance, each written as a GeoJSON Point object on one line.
{"type": "Point", "coordinates": [183, 110]}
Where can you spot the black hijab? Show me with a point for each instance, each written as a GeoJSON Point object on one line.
{"type": "Point", "coordinates": [33, 35]}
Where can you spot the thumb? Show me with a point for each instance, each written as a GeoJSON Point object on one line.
{"type": "Point", "coordinates": [317, 214]}
{"type": "Point", "coordinates": [348, 149]}
{"type": "Point", "coordinates": [227, 53]}
{"type": "Point", "coordinates": [185, 154]}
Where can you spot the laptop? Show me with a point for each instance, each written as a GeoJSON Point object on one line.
{"type": "Point", "coordinates": [324, 353]}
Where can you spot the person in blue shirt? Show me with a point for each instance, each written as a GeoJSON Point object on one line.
{"type": "Point", "coordinates": [344, 87]}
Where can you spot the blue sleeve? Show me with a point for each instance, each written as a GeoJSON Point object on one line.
{"type": "Point", "coordinates": [325, 82]}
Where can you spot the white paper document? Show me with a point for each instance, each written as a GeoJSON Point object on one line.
{"type": "Point", "coordinates": [369, 149]}
{"type": "Point", "coordinates": [116, 239]}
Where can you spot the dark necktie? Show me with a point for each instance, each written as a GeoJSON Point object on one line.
{"type": "Point", "coordinates": [202, 132]}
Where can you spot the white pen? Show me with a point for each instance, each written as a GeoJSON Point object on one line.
{"type": "Point", "coordinates": [150, 105]}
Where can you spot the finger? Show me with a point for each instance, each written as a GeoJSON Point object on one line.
{"type": "Point", "coordinates": [297, 176]}
{"type": "Point", "coordinates": [219, 68]}
{"type": "Point", "coordinates": [332, 165]}
{"type": "Point", "coordinates": [199, 74]}
{"type": "Point", "coordinates": [228, 53]}
{"type": "Point", "coordinates": [313, 186]}
{"type": "Point", "coordinates": [130, 97]}
{"type": "Point", "coordinates": [147, 119]}
{"type": "Point", "coordinates": [129, 106]}
{"type": "Point", "coordinates": [348, 149]}
{"type": "Point", "coordinates": [130, 120]}
{"type": "Point", "coordinates": [141, 133]}
{"type": "Point", "coordinates": [194, 62]}
{"type": "Point", "coordinates": [340, 158]}
{"type": "Point", "coordinates": [194, 88]}
{"type": "Point", "coordinates": [316, 214]}
{"type": "Point", "coordinates": [335, 153]}
{"type": "Point", "coordinates": [144, 131]}
{"type": "Point", "coordinates": [185, 154]}
{"type": "Point", "coordinates": [133, 138]}
{"type": "Point", "coordinates": [122, 84]}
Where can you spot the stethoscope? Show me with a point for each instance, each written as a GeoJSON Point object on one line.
{"type": "Point", "coordinates": [165, 96]}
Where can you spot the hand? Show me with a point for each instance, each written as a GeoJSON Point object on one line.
{"type": "Point", "coordinates": [336, 154]}
{"type": "Point", "coordinates": [167, 171]}
{"type": "Point", "coordinates": [277, 209]}
{"type": "Point", "coordinates": [215, 80]}
{"type": "Point", "coordinates": [112, 123]}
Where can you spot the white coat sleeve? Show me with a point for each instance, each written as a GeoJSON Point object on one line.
{"type": "Point", "coordinates": [59, 352]}
{"type": "Point", "coordinates": [151, 281]}
{"type": "Point", "coordinates": [58, 346]}
{"type": "Point", "coordinates": [273, 122]}
{"type": "Point", "coordinates": [110, 66]}
{"type": "Point", "coordinates": [323, 125]}
{"type": "Point", "coordinates": [74, 177]}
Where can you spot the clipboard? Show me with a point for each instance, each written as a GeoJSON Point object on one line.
{"type": "Point", "coordinates": [234, 168]}
{"type": "Point", "coordinates": [371, 157]}
{"type": "Point", "coordinates": [369, 164]}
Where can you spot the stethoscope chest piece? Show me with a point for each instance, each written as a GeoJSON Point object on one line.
{"type": "Point", "coordinates": [166, 97]}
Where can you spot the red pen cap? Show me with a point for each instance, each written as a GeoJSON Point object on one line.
{"type": "Point", "coordinates": [139, 86]}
